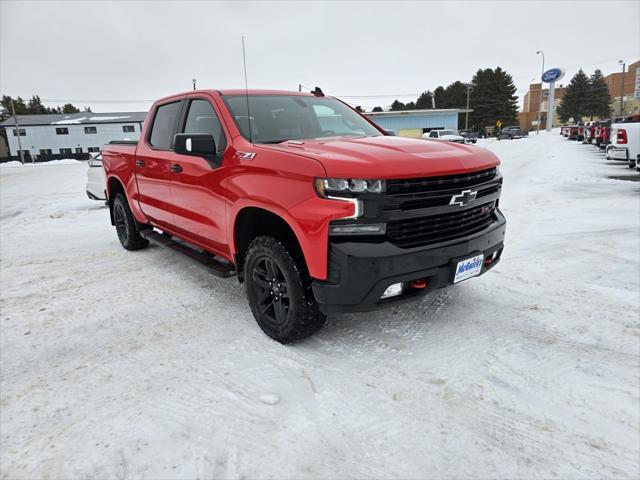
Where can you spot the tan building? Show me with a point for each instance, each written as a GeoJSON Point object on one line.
{"type": "Point", "coordinates": [529, 114]}
{"type": "Point", "coordinates": [630, 104]}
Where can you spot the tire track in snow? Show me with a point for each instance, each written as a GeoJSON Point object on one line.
{"type": "Point", "coordinates": [386, 331]}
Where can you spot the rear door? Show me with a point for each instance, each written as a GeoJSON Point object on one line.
{"type": "Point", "coordinates": [196, 183]}
{"type": "Point", "coordinates": [153, 159]}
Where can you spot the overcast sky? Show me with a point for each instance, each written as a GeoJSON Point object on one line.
{"type": "Point", "coordinates": [103, 53]}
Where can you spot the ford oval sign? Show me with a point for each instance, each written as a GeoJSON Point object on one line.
{"type": "Point", "coordinates": [552, 75]}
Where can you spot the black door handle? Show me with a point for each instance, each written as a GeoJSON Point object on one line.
{"type": "Point", "coordinates": [140, 163]}
{"type": "Point", "coordinates": [175, 168]}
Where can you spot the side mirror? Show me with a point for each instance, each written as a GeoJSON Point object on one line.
{"type": "Point", "coordinates": [195, 144]}
{"type": "Point", "coordinates": [389, 133]}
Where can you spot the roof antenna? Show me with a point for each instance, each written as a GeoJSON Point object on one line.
{"type": "Point", "coordinates": [246, 89]}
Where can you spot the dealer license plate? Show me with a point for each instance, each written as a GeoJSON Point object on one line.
{"type": "Point", "coordinates": [468, 268]}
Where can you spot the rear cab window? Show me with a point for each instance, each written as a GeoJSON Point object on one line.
{"type": "Point", "coordinates": [164, 125]}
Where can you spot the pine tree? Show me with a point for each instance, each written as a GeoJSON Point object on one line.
{"type": "Point", "coordinates": [575, 102]}
{"type": "Point", "coordinates": [35, 106]}
{"type": "Point", "coordinates": [410, 106]}
{"type": "Point", "coordinates": [396, 106]}
{"type": "Point", "coordinates": [377, 109]}
{"type": "Point", "coordinates": [492, 98]}
{"type": "Point", "coordinates": [424, 100]}
{"type": "Point", "coordinates": [69, 108]}
{"type": "Point", "coordinates": [598, 97]}
{"type": "Point", "coordinates": [440, 97]}
{"type": "Point", "coordinates": [455, 95]}
{"type": "Point", "coordinates": [18, 103]}
{"type": "Point", "coordinates": [359, 109]}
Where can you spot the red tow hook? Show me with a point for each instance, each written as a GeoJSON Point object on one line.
{"type": "Point", "coordinates": [418, 284]}
{"type": "Point", "coordinates": [488, 261]}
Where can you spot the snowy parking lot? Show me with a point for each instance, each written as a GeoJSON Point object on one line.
{"type": "Point", "coordinates": [122, 364]}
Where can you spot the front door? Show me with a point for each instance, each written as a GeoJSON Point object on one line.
{"type": "Point", "coordinates": [196, 190]}
{"type": "Point", "coordinates": [153, 160]}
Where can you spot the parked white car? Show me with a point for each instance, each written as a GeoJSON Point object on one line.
{"type": "Point", "coordinates": [444, 135]}
{"type": "Point", "coordinates": [625, 141]}
{"type": "Point", "coordinates": [96, 181]}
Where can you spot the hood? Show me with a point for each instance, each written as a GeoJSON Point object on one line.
{"type": "Point", "coordinates": [390, 157]}
{"type": "Point", "coordinates": [451, 137]}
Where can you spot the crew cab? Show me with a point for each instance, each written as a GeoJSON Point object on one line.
{"type": "Point", "coordinates": [625, 141]}
{"type": "Point", "coordinates": [444, 135]}
{"type": "Point", "coordinates": [306, 201]}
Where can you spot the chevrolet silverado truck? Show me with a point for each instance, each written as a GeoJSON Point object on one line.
{"type": "Point", "coordinates": [305, 201]}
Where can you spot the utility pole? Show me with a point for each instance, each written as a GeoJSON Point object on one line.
{"type": "Point", "coordinates": [622, 87]}
{"type": "Point", "coordinates": [194, 83]}
{"type": "Point", "coordinates": [466, 120]}
{"type": "Point", "coordinates": [15, 122]}
{"type": "Point", "coordinates": [299, 87]}
{"type": "Point", "coordinates": [540, 52]}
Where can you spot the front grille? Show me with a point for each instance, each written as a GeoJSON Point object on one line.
{"type": "Point", "coordinates": [414, 232]}
{"type": "Point", "coordinates": [430, 184]}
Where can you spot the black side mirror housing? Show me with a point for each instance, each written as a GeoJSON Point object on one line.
{"type": "Point", "coordinates": [389, 133]}
{"type": "Point", "coordinates": [197, 145]}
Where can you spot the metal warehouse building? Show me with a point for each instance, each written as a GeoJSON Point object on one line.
{"type": "Point", "coordinates": [413, 123]}
{"type": "Point", "coordinates": [78, 133]}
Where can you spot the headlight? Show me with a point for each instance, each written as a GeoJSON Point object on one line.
{"type": "Point", "coordinates": [330, 186]}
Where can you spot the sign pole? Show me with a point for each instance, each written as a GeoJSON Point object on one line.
{"type": "Point", "coordinates": [551, 77]}
{"type": "Point", "coordinates": [552, 91]}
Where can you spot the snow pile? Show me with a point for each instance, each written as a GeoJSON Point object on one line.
{"type": "Point", "coordinates": [69, 121]}
{"type": "Point", "coordinates": [63, 161]}
{"type": "Point", "coordinates": [139, 364]}
{"type": "Point", "coordinates": [12, 163]}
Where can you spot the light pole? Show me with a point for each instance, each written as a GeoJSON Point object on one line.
{"type": "Point", "coordinates": [622, 86]}
{"type": "Point", "coordinates": [540, 52]}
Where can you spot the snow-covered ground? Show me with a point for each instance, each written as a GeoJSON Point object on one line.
{"type": "Point", "coordinates": [117, 364]}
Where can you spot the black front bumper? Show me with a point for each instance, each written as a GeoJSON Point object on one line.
{"type": "Point", "coordinates": [360, 272]}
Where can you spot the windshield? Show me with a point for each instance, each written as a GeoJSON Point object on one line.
{"type": "Point", "coordinates": [448, 132]}
{"type": "Point", "coordinates": [277, 118]}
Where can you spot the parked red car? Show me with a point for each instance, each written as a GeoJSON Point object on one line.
{"type": "Point", "coordinates": [574, 132]}
{"type": "Point", "coordinates": [602, 133]}
{"type": "Point", "coordinates": [308, 202]}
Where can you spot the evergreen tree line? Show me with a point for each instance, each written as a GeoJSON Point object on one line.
{"type": "Point", "coordinates": [585, 97]}
{"type": "Point", "coordinates": [33, 106]}
{"type": "Point", "coordinates": [492, 96]}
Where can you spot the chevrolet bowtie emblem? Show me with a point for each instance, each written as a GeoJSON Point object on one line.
{"type": "Point", "coordinates": [463, 198]}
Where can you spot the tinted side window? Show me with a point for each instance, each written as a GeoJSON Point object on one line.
{"type": "Point", "coordinates": [163, 126]}
{"type": "Point", "coordinates": [433, 135]}
{"type": "Point", "coordinates": [202, 118]}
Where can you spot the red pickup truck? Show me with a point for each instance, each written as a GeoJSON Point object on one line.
{"type": "Point", "coordinates": [310, 204]}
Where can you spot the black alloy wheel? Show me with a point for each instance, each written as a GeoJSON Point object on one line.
{"type": "Point", "coordinates": [279, 290]}
{"type": "Point", "coordinates": [120, 219]}
{"type": "Point", "coordinates": [271, 288]}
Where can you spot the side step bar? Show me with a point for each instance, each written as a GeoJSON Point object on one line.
{"type": "Point", "coordinates": [204, 259]}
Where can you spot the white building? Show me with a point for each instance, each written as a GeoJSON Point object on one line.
{"type": "Point", "coordinates": [70, 134]}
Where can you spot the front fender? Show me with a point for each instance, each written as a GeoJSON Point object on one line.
{"type": "Point", "coordinates": [309, 221]}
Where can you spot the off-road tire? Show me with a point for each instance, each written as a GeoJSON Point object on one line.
{"type": "Point", "coordinates": [299, 316]}
{"type": "Point", "coordinates": [126, 225]}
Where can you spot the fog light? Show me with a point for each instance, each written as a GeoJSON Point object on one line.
{"type": "Point", "coordinates": [392, 290]}
{"type": "Point", "coordinates": [358, 229]}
